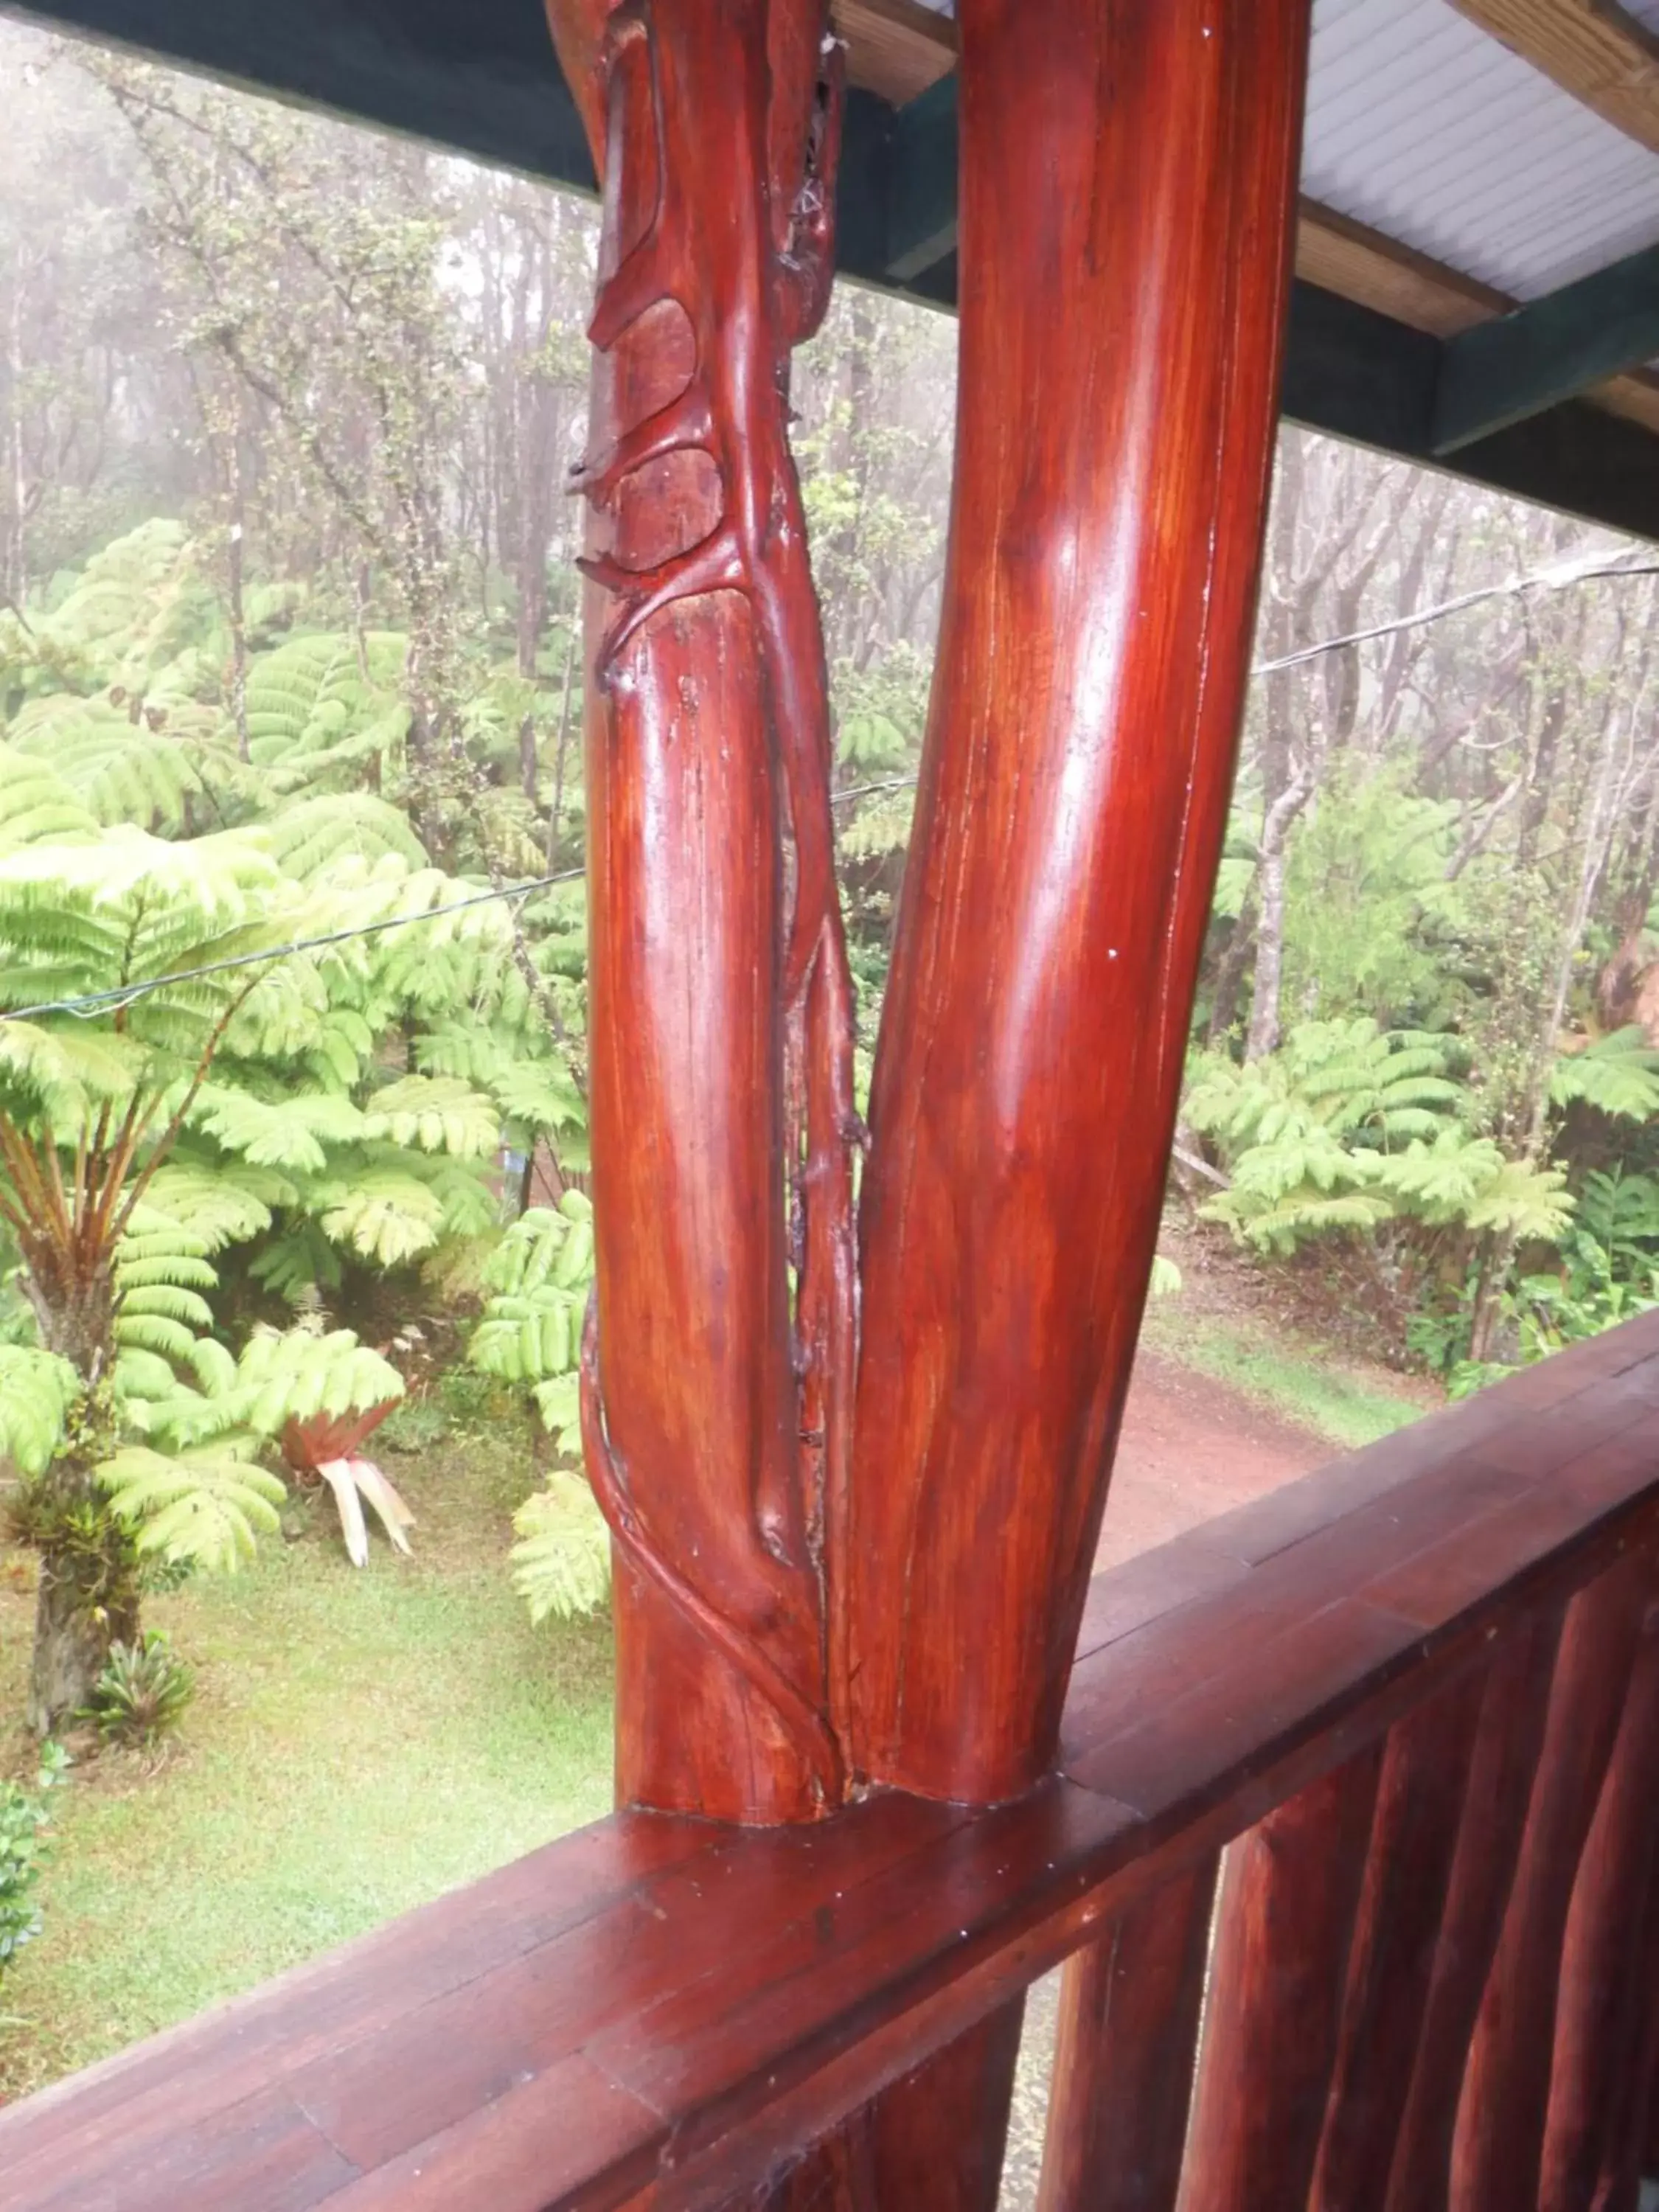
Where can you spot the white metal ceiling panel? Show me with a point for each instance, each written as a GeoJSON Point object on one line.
{"type": "Point", "coordinates": [1425, 127]}
{"type": "Point", "coordinates": [1422, 125]}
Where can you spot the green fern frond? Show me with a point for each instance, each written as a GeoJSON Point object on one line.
{"type": "Point", "coordinates": [1530, 1203]}
{"type": "Point", "coordinates": [292, 1134]}
{"type": "Point", "coordinates": [1618, 1074]}
{"type": "Point", "coordinates": [309, 839]}
{"type": "Point", "coordinates": [561, 1561]}
{"type": "Point", "coordinates": [205, 1504]}
{"type": "Point", "coordinates": [388, 1216]}
{"type": "Point", "coordinates": [38, 1393]}
{"type": "Point", "coordinates": [435, 1112]}
{"type": "Point", "coordinates": [293, 1373]}
{"type": "Point", "coordinates": [37, 806]}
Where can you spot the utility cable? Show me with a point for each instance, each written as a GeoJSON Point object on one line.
{"type": "Point", "coordinates": [124, 994]}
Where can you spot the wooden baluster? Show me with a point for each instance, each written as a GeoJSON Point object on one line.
{"type": "Point", "coordinates": [1500, 2120]}
{"type": "Point", "coordinates": [1634, 2151]}
{"type": "Point", "coordinates": [1124, 2056]}
{"type": "Point", "coordinates": [1600, 2027]}
{"type": "Point", "coordinates": [1419, 1806]}
{"type": "Point", "coordinates": [1513, 1707]}
{"type": "Point", "coordinates": [1290, 1890]}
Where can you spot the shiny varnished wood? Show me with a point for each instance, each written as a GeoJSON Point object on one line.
{"type": "Point", "coordinates": [1501, 2117]}
{"type": "Point", "coordinates": [1284, 1925]}
{"type": "Point", "coordinates": [1515, 1700]}
{"type": "Point", "coordinates": [1124, 2053]}
{"type": "Point", "coordinates": [1134, 165]}
{"type": "Point", "coordinates": [1598, 2080]}
{"type": "Point", "coordinates": [715, 1411]}
{"type": "Point", "coordinates": [664, 2010]}
{"type": "Point", "coordinates": [1419, 1805]}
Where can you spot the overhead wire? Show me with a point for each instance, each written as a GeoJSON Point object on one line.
{"type": "Point", "coordinates": [93, 1003]}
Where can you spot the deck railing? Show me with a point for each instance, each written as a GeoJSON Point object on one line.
{"type": "Point", "coordinates": [1414, 1701]}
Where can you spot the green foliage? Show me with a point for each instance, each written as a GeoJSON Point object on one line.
{"type": "Point", "coordinates": [24, 1814]}
{"type": "Point", "coordinates": [531, 1331]}
{"type": "Point", "coordinates": [143, 1693]}
{"type": "Point", "coordinates": [38, 1392]}
{"type": "Point", "coordinates": [1618, 1074]}
{"type": "Point", "coordinates": [1371, 916]}
{"type": "Point", "coordinates": [317, 707]}
{"type": "Point", "coordinates": [561, 1561]}
{"type": "Point", "coordinates": [209, 1504]}
{"type": "Point", "coordinates": [1346, 1128]}
{"type": "Point", "coordinates": [530, 1335]}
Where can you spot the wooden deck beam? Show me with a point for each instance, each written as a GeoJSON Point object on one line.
{"type": "Point", "coordinates": [1594, 49]}
{"type": "Point", "coordinates": [1553, 349]}
{"type": "Point", "coordinates": [486, 83]}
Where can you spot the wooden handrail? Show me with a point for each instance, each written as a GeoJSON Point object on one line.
{"type": "Point", "coordinates": [662, 2003]}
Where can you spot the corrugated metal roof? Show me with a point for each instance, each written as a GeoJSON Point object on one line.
{"type": "Point", "coordinates": [1423, 127]}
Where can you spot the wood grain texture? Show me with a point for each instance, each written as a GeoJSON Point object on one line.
{"type": "Point", "coordinates": [1594, 49]}
{"type": "Point", "coordinates": [895, 47]}
{"type": "Point", "coordinates": [1597, 2082]}
{"type": "Point", "coordinates": [1498, 2143]}
{"type": "Point", "coordinates": [1419, 1807]}
{"type": "Point", "coordinates": [719, 1015]}
{"type": "Point", "coordinates": [664, 2010]}
{"type": "Point", "coordinates": [1290, 1890]}
{"type": "Point", "coordinates": [1515, 1701]}
{"type": "Point", "coordinates": [1124, 2053]}
{"type": "Point", "coordinates": [1104, 545]}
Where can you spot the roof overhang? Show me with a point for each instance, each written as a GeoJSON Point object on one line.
{"type": "Point", "coordinates": [1387, 346]}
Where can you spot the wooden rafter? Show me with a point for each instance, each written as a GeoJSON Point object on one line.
{"type": "Point", "coordinates": [902, 51]}
{"type": "Point", "coordinates": [1591, 48]}
{"type": "Point", "coordinates": [1358, 263]}
{"type": "Point", "coordinates": [895, 47]}
{"type": "Point", "coordinates": [1549, 350]}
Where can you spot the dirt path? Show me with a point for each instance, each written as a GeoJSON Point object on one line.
{"type": "Point", "coordinates": [1192, 1447]}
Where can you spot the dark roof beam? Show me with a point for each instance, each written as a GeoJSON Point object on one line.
{"type": "Point", "coordinates": [921, 186]}
{"type": "Point", "coordinates": [1503, 371]}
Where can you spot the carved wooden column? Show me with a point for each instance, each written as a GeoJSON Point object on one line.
{"type": "Point", "coordinates": [720, 1031]}
{"type": "Point", "coordinates": [1127, 172]}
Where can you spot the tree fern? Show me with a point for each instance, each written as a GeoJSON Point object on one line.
{"type": "Point", "coordinates": [310, 837]}
{"type": "Point", "coordinates": [38, 1393]}
{"type": "Point", "coordinates": [1618, 1074]}
{"type": "Point", "coordinates": [37, 806]}
{"type": "Point", "coordinates": [561, 1562]}
{"type": "Point", "coordinates": [120, 769]}
{"type": "Point", "coordinates": [530, 1334]}
{"type": "Point", "coordinates": [206, 1504]}
{"type": "Point", "coordinates": [313, 706]}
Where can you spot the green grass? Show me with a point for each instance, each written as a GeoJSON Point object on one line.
{"type": "Point", "coordinates": [360, 1742]}
{"type": "Point", "coordinates": [1284, 1374]}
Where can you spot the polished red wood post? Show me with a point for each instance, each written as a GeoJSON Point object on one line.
{"type": "Point", "coordinates": [1601, 2039]}
{"type": "Point", "coordinates": [1289, 1893]}
{"type": "Point", "coordinates": [1510, 1728]}
{"type": "Point", "coordinates": [1127, 173]}
{"type": "Point", "coordinates": [720, 1020]}
{"type": "Point", "coordinates": [1499, 2138]}
{"type": "Point", "coordinates": [1419, 1805]}
{"type": "Point", "coordinates": [1124, 2056]}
